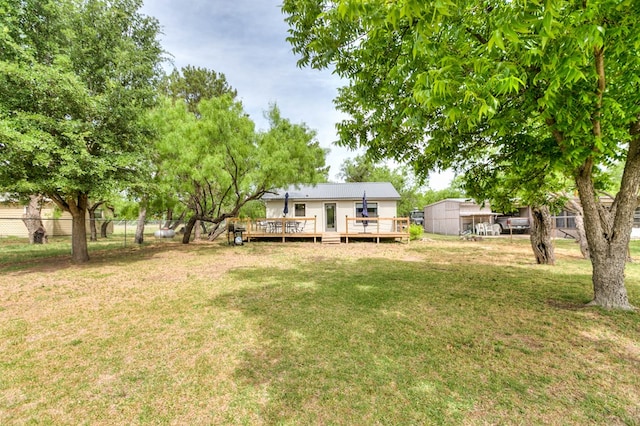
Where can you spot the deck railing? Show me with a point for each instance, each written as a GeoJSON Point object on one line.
{"type": "Point", "coordinates": [308, 227]}
{"type": "Point", "coordinates": [275, 227]}
{"type": "Point", "coordinates": [377, 227]}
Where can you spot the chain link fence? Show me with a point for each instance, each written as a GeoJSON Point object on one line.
{"type": "Point", "coordinates": [59, 229]}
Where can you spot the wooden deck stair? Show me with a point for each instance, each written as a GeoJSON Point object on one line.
{"type": "Point", "coordinates": [330, 238]}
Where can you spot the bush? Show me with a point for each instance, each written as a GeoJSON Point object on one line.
{"type": "Point", "coordinates": [415, 231]}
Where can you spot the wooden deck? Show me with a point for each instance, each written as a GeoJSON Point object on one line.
{"type": "Point", "coordinates": [308, 228]}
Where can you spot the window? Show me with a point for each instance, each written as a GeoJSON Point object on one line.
{"type": "Point", "coordinates": [372, 209]}
{"type": "Point", "coordinates": [300, 210]}
{"type": "Point", "coordinates": [565, 219]}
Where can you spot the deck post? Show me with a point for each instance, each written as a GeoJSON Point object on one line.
{"type": "Point", "coordinates": [346, 223]}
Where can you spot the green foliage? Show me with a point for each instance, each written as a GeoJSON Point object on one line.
{"type": "Point", "coordinates": [436, 84]}
{"type": "Point", "coordinates": [413, 195]}
{"type": "Point", "coordinates": [125, 208]}
{"type": "Point", "coordinates": [432, 196]}
{"type": "Point", "coordinates": [194, 84]}
{"type": "Point", "coordinates": [75, 79]}
{"type": "Point", "coordinates": [69, 113]}
{"type": "Point", "coordinates": [415, 231]}
{"type": "Point", "coordinates": [253, 209]}
{"type": "Point", "coordinates": [216, 163]}
{"type": "Point", "coordinates": [539, 91]}
{"type": "Point", "coordinates": [209, 161]}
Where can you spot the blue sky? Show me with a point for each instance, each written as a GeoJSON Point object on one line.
{"type": "Point", "coordinates": [246, 41]}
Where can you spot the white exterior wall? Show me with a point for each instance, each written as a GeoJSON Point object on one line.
{"type": "Point", "coordinates": [344, 208]}
{"type": "Point", "coordinates": [313, 208]}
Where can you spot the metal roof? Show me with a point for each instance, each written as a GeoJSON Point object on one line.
{"type": "Point", "coordinates": [338, 191]}
{"type": "Point", "coordinates": [469, 201]}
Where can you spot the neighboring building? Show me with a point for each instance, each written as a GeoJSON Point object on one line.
{"type": "Point", "coordinates": [55, 222]}
{"type": "Point", "coordinates": [565, 222]}
{"type": "Point", "coordinates": [11, 224]}
{"type": "Point", "coordinates": [331, 203]}
{"type": "Point", "coordinates": [453, 216]}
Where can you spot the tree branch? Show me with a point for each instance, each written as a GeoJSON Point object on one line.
{"type": "Point", "coordinates": [599, 63]}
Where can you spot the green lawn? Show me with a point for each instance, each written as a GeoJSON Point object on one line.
{"type": "Point", "coordinates": [440, 331]}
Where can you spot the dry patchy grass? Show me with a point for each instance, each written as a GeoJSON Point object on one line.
{"type": "Point", "coordinates": [435, 332]}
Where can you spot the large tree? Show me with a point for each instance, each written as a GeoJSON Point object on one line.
{"type": "Point", "coordinates": [216, 163]}
{"type": "Point", "coordinates": [187, 87]}
{"type": "Point", "coordinates": [75, 78]}
{"type": "Point", "coordinates": [560, 74]}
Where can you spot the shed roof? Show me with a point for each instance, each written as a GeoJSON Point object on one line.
{"type": "Point", "coordinates": [467, 201]}
{"type": "Point", "coordinates": [338, 191]}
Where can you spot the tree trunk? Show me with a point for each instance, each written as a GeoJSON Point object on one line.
{"type": "Point", "coordinates": [178, 221]}
{"type": "Point", "coordinates": [142, 216]}
{"type": "Point", "coordinates": [167, 222]}
{"type": "Point", "coordinates": [576, 209]}
{"type": "Point", "coordinates": [92, 220]}
{"type": "Point", "coordinates": [188, 229]}
{"type": "Point", "coordinates": [78, 210]}
{"type": "Point", "coordinates": [93, 231]}
{"type": "Point", "coordinates": [608, 274]}
{"type": "Point", "coordinates": [104, 227]}
{"type": "Point", "coordinates": [33, 221]}
{"type": "Point", "coordinates": [216, 231]}
{"type": "Point", "coordinates": [582, 236]}
{"type": "Point", "coordinates": [609, 231]}
{"type": "Point", "coordinates": [198, 230]}
{"type": "Point", "coordinates": [541, 236]}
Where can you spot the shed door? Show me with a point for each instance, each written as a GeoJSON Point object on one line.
{"type": "Point", "coordinates": [330, 217]}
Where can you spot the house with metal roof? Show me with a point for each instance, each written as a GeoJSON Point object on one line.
{"type": "Point", "coordinates": [332, 204]}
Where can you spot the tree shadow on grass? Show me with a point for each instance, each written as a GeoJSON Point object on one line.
{"type": "Point", "coordinates": [378, 341]}
{"type": "Point", "coordinates": [44, 262]}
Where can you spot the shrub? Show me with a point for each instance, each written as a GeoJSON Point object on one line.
{"type": "Point", "coordinates": [415, 231]}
